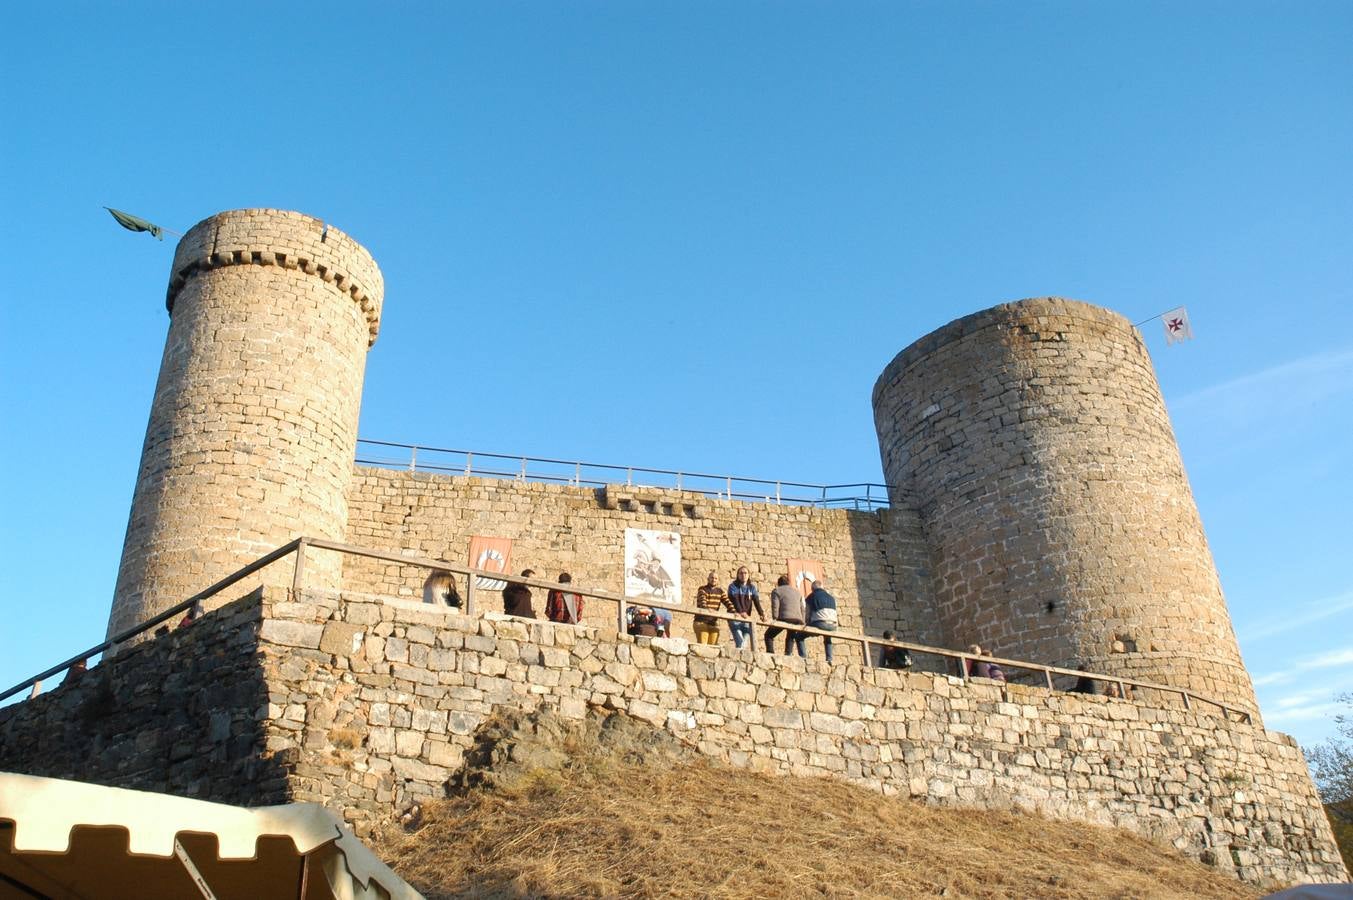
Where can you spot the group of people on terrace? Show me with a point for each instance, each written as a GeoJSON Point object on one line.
{"type": "Point", "coordinates": [560, 606]}
{"type": "Point", "coordinates": [790, 613]}
{"type": "Point", "coordinates": [788, 608]}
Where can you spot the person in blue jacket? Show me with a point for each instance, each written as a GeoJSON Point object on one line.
{"type": "Point", "coordinates": [822, 612]}
{"type": "Point", "coordinates": [744, 596]}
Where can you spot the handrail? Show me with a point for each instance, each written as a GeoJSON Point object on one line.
{"type": "Point", "coordinates": [300, 545]}
{"type": "Point", "coordinates": [875, 495]}
{"type": "Point", "coordinates": [129, 633]}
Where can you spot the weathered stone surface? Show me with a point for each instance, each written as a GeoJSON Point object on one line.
{"type": "Point", "coordinates": [658, 681]}
{"type": "Point", "coordinates": [292, 634]}
{"type": "Point", "coordinates": [341, 638]}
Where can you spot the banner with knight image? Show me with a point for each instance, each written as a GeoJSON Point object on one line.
{"type": "Point", "coordinates": [653, 566]}
{"type": "Point", "coordinates": [493, 554]}
{"type": "Point", "coordinates": [802, 574]}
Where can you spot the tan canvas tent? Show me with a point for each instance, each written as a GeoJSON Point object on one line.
{"type": "Point", "coordinates": [72, 841]}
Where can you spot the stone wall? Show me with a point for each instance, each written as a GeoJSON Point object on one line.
{"type": "Point", "coordinates": [253, 425]}
{"type": "Point", "coordinates": [875, 562]}
{"type": "Point", "coordinates": [179, 714]}
{"type": "Point", "coordinates": [366, 705]}
{"type": "Point", "coordinates": [1033, 439]}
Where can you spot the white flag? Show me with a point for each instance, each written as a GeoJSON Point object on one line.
{"type": "Point", "coordinates": [1177, 327]}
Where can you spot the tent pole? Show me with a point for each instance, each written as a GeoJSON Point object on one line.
{"type": "Point", "coordinates": [198, 880]}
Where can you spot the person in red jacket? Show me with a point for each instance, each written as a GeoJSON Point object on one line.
{"type": "Point", "coordinates": [564, 606]}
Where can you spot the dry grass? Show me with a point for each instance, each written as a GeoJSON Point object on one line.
{"type": "Point", "coordinates": [696, 829]}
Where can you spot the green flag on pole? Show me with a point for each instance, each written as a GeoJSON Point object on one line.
{"type": "Point", "coordinates": [133, 223]}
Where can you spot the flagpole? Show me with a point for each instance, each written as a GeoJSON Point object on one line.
{"type": "Point", "coordinates": [1134, 325]}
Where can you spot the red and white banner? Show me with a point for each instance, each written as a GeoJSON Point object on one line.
{"type": "Point", "coordinates": [493, 554]}
{"type": "Point", "coordinates": [1177, 327]}
{"type": "Point", "coordinates": [802, 574]}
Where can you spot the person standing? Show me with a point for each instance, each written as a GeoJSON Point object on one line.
{"type": "Point", "coordinates": [894, 657]}
{"type": "Point", "coordinates": [976, 666]}
{"type": "Point", "coordinates": [1084, 683]}
{"type": "Point", "coordinates": [743, 595]}
{"type": "Point", "coordinates": [822, 613]}
{"type": "Point", "coordinates": [194, 613]}
{"type": "Point", "coordinates": [994, 671]}
{"type": "Point", "coordinates": [517, 598]}
{"type": "Point", "coordinates": [564, 606]}
{"type": "Point", "coordinates": [644, 621]}
{"type": "Point", "coordinates": [711, 597]}
{"type": "Point", "coordinates": [76, 671]}
{"type": "Point", "coordinates": [786, 605]}
{"type": "Point", "coordinates": [440, 588]}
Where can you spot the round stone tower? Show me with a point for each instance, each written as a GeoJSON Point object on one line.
{"type": "Point", "coordinates": [1033, 439]}
{"type": "Point", "coordinates": [253, 427]}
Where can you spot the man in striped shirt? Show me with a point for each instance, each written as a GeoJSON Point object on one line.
{"type": "Point", "coordinates": [711, 597]}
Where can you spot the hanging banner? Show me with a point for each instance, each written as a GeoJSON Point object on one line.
{"type": "Point", "coordinates": [493, 554]}
{"type": "Point", "coordinates": [802, 574]}
{"type": "Point", "coordinates": [653, 566]}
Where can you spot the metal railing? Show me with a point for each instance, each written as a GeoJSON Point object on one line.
{"type": "Point", "coordinates": [299, 547]}
{"type": "Point", "coordinates": [866, 496]}
{"type": "Point", "coordinates": [177, 609]}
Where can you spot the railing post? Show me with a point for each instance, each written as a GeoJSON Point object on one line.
{"type": "Point", "coordinates": [963, 666]}
{"type": "Point", "coordinates": [868, 657]}
{"type": "Point", "coordinates": [413, 459]}
{"type": "Point", "coordinates": [620, 617]}
{"type": "Point", "coordinates": [824, 495]}
{"type": "Point", "coordinates": [469, 595]}
{"type": "Point", "coordinates": [298, 571]}
{"type": "Point", "coordinates": [678, 481]}
{"type": "Point", "coordinates": [522, 475]}
{"type": "Point", "coordinates": [728, 483]}
{"type": "Point", "coordinates": [629, 476]}
{"type": "Point", "coordinates": [1185, 695]}
{"type": "Point", "coordinates": [777, 492]}
{"type": "Point", "coordinates": [577, 474]}
{"type": "Point", "coordinates": [751, 634]}
{"type": "Point", "coordinates": [1047, 673]}
{"type": "Point", "coordinates": [469, 460]}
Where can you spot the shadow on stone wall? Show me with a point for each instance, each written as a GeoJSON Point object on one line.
{"type": "Point", "coordinates": [892, 542]}
{"type": "Point", "coordinates": [176, 714]}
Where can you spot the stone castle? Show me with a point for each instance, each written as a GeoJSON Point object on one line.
{"type": "Point", "coordinates": [1038, 504]}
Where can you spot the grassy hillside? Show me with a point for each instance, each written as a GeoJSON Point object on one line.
{"type": "Point", "coordinates": [614, 810]}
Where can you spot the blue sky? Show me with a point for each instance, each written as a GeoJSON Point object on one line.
{"type": "Point", "coordinates": [666, 234]}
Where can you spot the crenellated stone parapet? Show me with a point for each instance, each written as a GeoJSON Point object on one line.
{"type": "Point", "coordinates": [291, 240]}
